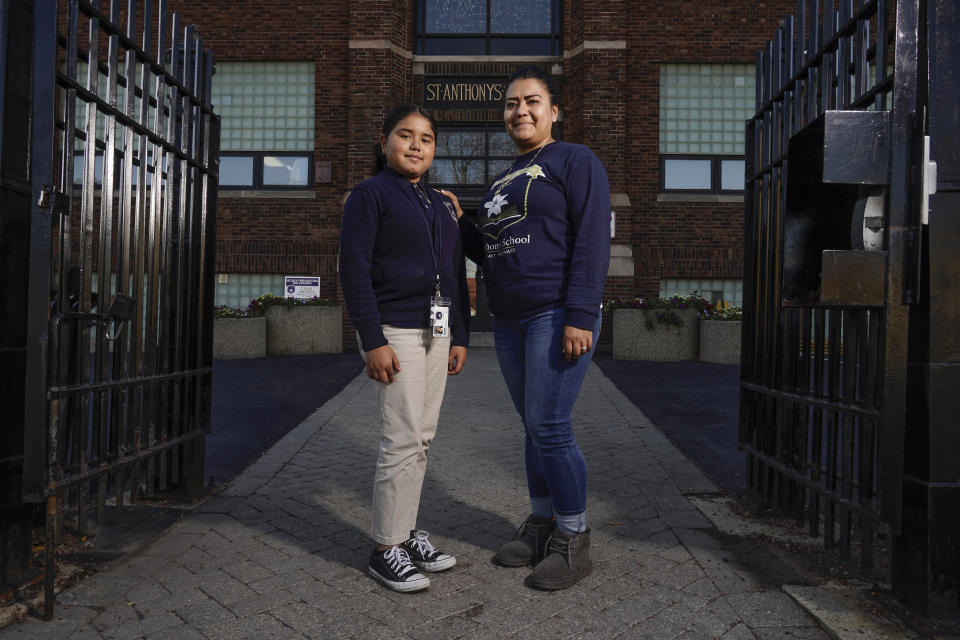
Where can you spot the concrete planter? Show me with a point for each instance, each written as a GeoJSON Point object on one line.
{"type": "Point", "coordinates": [303, 329]}
{"type": "Point", "coordinates": [633, 340]}
{"type": "Point", "coordinates": [720, 341]}
{"type": "Point", "coordinates": [239, 337]}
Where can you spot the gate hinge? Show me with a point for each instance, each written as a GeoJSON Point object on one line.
{"type": "Point", "coordinates": [56, 201]}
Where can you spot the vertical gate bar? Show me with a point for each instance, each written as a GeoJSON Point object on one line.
{"type": "Point", "coordinates": [84, 421]}
{"type": "Point", "coordinates": [834, 386]}
{"type": "Point", "coordinates": [106, 399]}
{"type": "Point", "coordinates": [848, 391]}
{"type": "Point", "coordinates": [843, 48]}
{"type": "Point", "coordinates": [168, 459]}
{"type": "Point", "coordinates": [132, 261]}
{"type": "Point", "coordinates": [805, 383]}
{"type": "Point", "coordinates": [192, 467]}
{"type": "Point", "coordinates": [191, 248]}
{"type": "Point", "coordinates": [813, 48]}
{"type": "Point", "coordinates": [153, 159]}
{"type": "Point", "coordinates": [157, 244]}
{"type": "Point", "coordinates": [828, 67]}
{"type": "Point", "coordinates": [819, 320]}
{"type": "Point", "coordinates": [799, 59]}
{"type": "Point", "coordinates": [868, 427]}
{"type": "Point", "coordinates": [861, 63]}
{"type": "Point", "coordinates": [178, 222]}
{"type": "Point", "coordinates": [749, 349]}
{"type": "Point", "coordinates": [880, 62]}
{"type": "Point", "coordinates": [864, 448]}
{"type": "Point", "coordinates": [207, 269]}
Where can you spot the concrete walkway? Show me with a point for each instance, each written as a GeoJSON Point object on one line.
{"type": "Point", "coordinates": [281, 552]}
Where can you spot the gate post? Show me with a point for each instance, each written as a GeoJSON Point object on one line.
{"type": "Point", "coordinates": [926, 554]}
{"type": "Point", "coordinates": [16, 517]}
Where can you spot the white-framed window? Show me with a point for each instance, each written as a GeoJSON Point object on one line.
{"type": "Point", "coordinates": [703, 108]}
{"type": "Point", "coordinates": [267, 124]}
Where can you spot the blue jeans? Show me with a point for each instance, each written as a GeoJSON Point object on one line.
{"type": "Point", "coordinates": [544, 388]}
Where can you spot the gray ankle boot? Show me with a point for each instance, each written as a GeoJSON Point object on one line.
{"type": "Point", "coordinates": [528, 544]}
{"type": "Point", "coordinates": [567, 561]}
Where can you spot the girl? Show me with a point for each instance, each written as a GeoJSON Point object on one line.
{"type": "Point", "coordinates": [404, 284]}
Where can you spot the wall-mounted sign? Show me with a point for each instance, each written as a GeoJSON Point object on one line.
{"type": "Point", "coordinates": [303, 287]}
{"type": "Point", "coordinates": [461, 92]}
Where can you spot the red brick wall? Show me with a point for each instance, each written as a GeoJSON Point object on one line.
{"type": "Point", "coordinates": [609, 100]}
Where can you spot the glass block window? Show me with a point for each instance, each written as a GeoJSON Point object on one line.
{"type": "Point", "coordinates": [703, 107]}
{"type": "Point", "coordinates": [240, 288]}
{"type": "Point", "coordinates": [265, 106]}
{"type": "Point", "coordinates": [488, 27]}
{"type": "Point", "coordinates": [712, 289]}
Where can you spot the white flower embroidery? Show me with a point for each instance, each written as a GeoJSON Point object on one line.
{"type": "Point", "coordinates": [493, 207]}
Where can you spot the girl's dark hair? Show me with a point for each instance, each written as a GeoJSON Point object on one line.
{"type": "Point", "coordinates": [392, 120]}
{"type": "Point", "coordinates": [538, 73]}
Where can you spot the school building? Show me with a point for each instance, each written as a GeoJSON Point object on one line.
{"type": "Point", "coordinates": [659, 90]}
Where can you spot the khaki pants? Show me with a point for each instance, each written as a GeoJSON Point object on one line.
{"type": "Point", "coordinates": [409, 410]}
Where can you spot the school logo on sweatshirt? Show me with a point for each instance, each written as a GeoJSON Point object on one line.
{"type": "Point", "coordinates": [508, 206]}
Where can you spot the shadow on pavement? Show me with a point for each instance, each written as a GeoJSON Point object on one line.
{"type": "Point", "coordinates": [695, 404]}
{"type": "Point", "coordinates": [256, 402]}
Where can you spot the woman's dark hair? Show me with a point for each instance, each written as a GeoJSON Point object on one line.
{"type": "Point", "coordinates": [538, 73]}
{"type": "Point", "coordinates": [392, 120]}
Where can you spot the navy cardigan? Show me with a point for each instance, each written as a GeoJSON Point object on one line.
{"type": "Point", "coordinates": [389, 250]}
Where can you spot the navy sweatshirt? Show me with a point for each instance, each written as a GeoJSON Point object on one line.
{"type": "Point", "coordinates": [387, 267]}
{"type": "Point", "coordinates": [543, 235]}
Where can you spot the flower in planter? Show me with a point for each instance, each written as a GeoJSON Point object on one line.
{"type": "Point", "coordinates": [260, 303]}
{"type": "Point", "coordinates": [223, 311]}
{"type": "Point", "coordinates": [661, 310]}
{"type": "Point", "coordinates": [723, 311]}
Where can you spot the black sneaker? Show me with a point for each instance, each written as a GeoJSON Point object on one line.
{"type": "Point", "coordinates": [392, 568]}
{"type": "Point", "coordinates": [424, 555]}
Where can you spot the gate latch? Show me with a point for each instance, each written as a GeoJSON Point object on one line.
{"type": "Point", "coordinates": [57, 202]}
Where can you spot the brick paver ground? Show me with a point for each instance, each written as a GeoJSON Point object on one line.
{"type": "Point", "coordinates": [281, 552]}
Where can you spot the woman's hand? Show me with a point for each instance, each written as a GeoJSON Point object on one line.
{"type": "Point", "coordinates": [456, 360]}
{"type": "Point", "coordinates": [382, 363]}
{"type": "Point", "coordinates": [453, 199]}
{"type": "Point", "coordinates": [575, 342]}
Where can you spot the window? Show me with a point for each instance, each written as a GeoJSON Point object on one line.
{"type": "Point", "coordinates": [702, 112]}
{"type": "Point", "coordinates": [267, 124]}
{"type": "Point", "coordinates": [713, 290]}
{"type": "Point", "coordinates": [470, 156]}
{"type": "Point", "coordinates": [488, 27]}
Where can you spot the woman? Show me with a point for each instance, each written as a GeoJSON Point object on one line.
{"type": "Point", "coordinates": [543, 239]}
{"type": "Point", "coordinates": [404, 283]}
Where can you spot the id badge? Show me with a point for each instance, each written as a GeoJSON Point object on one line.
{"type": "Point", "coordinates": [439, 317]}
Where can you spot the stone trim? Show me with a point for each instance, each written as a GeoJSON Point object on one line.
{"type": "Point", "coordinates": [266, 193]}
{"type": "Point", "coordinates": [380, 44]}
{"type": "Point", "coordinates": [699, 197]}
{"type": "Point", "coordinates": [593, 45]}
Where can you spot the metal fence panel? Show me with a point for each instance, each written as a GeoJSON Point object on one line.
{"type": "Point", "coordinates": [831, 265]}
{"type": "Point", "coordinates": [125, 174]}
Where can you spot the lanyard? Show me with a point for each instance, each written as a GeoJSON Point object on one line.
{"type": "Point", "coordinates": [434, 235]}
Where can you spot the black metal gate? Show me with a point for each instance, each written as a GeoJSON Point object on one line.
{"type": "Point", "coordinates": [832, 220]}
{"type": "Point", "coordinates": [123, 186]}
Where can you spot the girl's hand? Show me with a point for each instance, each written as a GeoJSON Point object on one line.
{"type": "Point", "coordinates": [453, 199]}
{"type": "Point", "coordinates": [382, 363]}
{"type": "Point", "coordinates": [456, 360]}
